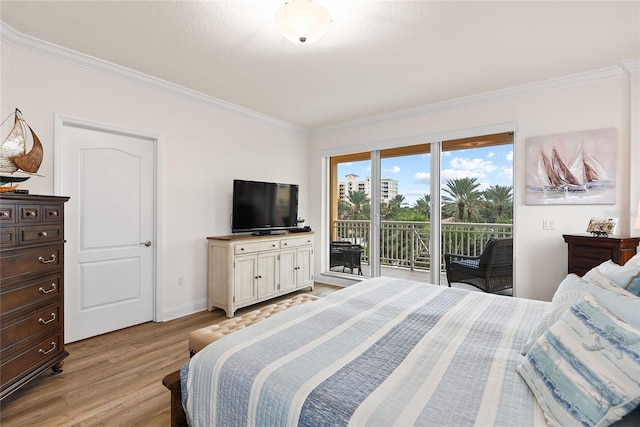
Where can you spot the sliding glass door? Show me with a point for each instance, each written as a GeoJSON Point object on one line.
{"type": "Point", "coordinates": [402, 208]}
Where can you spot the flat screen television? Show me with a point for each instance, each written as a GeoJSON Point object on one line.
{"type": "Point", "coordinates": [263, 207]}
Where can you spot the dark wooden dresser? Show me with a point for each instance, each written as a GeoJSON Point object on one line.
{"type": "Point", "coordinates": [586, 251]}
{"type": "Point", "coordinates": [31, 288]}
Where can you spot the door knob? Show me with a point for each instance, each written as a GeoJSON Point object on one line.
{"type": "Point", "coordinates": [147, 243]}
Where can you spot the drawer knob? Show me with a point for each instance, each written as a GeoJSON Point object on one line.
{"type": "Point", "coordinates": [47, 261]}
{"type": "Point", "coordinates": [53, 213]}
{"type": "Point", "coordinates": [4, 213]}
{"type": "Point", "coordinates": [43, 234]}
{"type": "Point", "coordinates": [45, 352]}
{"type": "Point", "coordinates": [29, 213]}
{"type": "Point", "coordinates": [43, 291]}
{"type": "Point", "coordinates": [44, 322]}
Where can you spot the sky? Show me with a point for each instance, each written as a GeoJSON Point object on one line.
{"type": "Point", "coordinates": [489, 165]}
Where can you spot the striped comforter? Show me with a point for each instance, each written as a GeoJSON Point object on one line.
{"type": "Point", "coordinates": [383, 352]}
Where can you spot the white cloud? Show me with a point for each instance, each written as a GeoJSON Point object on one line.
{"type": "Point", "coordinates": [509, 156]}
{"type": "Point", "coordinates": [491, 154]}
{"type": "Point", "coordinates": [423, 177]}
{"type": "Point", "coordinates": [506, 173]}
{"type": "Point", "coordinates": [475, 165]}
{"type": "Point", "coordinates": [394, 169]}
{"type": "Point", "coordinates": [460, 173]}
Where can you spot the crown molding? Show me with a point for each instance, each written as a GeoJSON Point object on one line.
{"type": "Point", "coordinates": [630, 65]}
{"type": "Point", "coordinates": [41, 47]}
{"type": "Point", "coordinates": [487, 97]}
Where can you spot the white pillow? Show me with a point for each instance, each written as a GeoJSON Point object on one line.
{"type": "Point", "coordinates": [627, 277]}
{"type": "Point", "coordinates": [583, 370]}
{"type": "Point", "coordinates": [599, 279]}
{"type": "Point", "coordinates": [622, 303]}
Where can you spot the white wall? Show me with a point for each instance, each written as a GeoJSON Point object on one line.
{"type": "Point", "coordinates": [203, 148]}
{"type": "Point", "coordinates": [564, 106]}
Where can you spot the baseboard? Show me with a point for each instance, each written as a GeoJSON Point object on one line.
{"type": "Point", "coordinates": [183, 310]}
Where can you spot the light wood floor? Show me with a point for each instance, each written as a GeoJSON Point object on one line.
{"type": "Point", "coordinates": [114, 379]}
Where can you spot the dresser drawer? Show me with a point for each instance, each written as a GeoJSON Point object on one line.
{"type": "Point", "coordinates": [30, 326]}
{"type": "Point", "coordinates": [7, 214]}
{"type": "Point", "coordinates": [52, 213]}
{"type": "Point", "coordinates": [29, 213]}
{"type": "Point", "coordinates": [31, 261]}
{"type": "Point", "coordinates": [593, 253]}
{"type": "Point", "coordinates": [45, 233]}
{"type": "Point", "coordinates": [7, 237]}
{"type": "Point", "coordinates": [30, 358]}
{"type": "Point", "coordinates": [29, 293]}
{"type": "Point", "coordinates": [245, 248]}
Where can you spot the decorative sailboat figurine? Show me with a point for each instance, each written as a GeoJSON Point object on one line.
{"type": "Point", "coordinates": [14, 157]}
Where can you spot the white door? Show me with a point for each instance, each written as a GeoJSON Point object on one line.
{"type": "Point", "coordinates": [109, 227]}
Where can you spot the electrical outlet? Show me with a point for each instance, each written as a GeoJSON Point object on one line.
{"type": "Point", "coordinates": [180, 281]}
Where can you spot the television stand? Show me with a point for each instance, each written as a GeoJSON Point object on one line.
{"type": "Point", "coordinates": [245, 270]}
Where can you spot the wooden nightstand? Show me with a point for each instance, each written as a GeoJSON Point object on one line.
{"type": "Point", "coordinates": [586, 251]}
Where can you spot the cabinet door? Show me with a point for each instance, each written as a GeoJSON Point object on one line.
{"type": "Point", "coordinates": [287, 269]}
{"type": "Point", "coordinates": [268, 274]}
{"type": "Point", "coordinates": [304, 267]}
{"type": "Point", "coordinates": [245, 274]}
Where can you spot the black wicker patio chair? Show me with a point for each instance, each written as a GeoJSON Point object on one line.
{"type": "Point", "coordinates": [491, 272]}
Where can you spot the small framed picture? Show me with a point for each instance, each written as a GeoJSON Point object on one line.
{"type": "Point", "coordinates": [602, 226]}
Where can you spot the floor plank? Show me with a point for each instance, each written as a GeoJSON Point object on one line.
{"type": "Point", "coordinates": [114, 379]}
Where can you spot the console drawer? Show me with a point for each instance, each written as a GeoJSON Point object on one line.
{"type": "Point", "coordinates": [295, 242]}
{"type": "Point", "coordinates": [250, 247]}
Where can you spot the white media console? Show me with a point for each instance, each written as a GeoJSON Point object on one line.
{"type": "Point", "coordinates": [247, 269]}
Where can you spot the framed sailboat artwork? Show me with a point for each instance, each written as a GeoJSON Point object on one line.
{"type": "Point", "coordinates": [576, 168]}
{"type": "Point", "coordinates": [16, 164]}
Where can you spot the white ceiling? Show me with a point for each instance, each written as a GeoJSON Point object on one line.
{"type": "Point", "coordinates": [377, 57]}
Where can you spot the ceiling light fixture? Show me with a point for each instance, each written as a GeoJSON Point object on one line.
{"type": "Point", "coordinates": [302, 21]}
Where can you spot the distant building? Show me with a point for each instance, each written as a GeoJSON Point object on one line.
{"type": "Point", "coordinates": [389, 187]}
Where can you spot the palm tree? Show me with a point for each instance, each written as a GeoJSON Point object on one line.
{"type": "Point", "coordinates": [423, 205]}
{"type": "Point", "coordinates": [461, 192]}
{"type": "Point", "coordinates": [358, 202]}
{"type": "Point", "coordinates": [392, 209]}
{"type": "Point", "coordinates": [500, 196]}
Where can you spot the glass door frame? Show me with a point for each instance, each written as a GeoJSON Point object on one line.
{"type": "Point", "coordinates": [453, 140]}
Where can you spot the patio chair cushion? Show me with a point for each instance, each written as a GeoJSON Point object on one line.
{"type": "Point", "coordinates": [471, 266]}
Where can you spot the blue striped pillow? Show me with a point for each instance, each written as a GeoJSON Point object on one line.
{"type": "Point", "coordinates": [585, 369]}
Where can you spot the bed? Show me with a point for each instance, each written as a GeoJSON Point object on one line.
{"type": "Point", "coordinates": [380, 353]}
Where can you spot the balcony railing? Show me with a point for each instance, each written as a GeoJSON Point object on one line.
{"type": "Point", "coordinates": [405, 244]}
